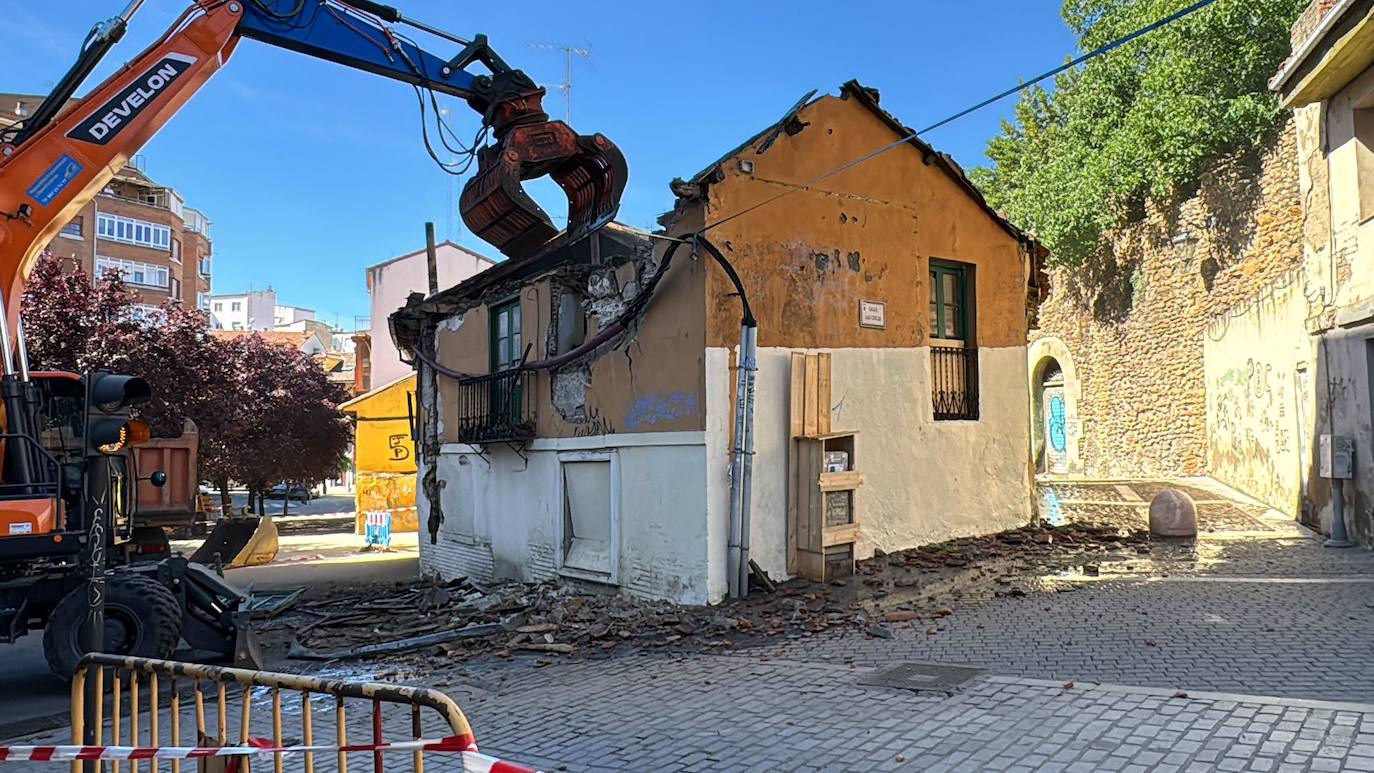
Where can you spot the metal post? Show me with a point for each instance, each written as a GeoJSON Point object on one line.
{"type": "Point", "coordinates": [749, 366]}
{"type": "Point", "coordinates": [12, 393]}
{"type": "Point", "coordinates": [737, 473]}
{"type": "Point", "coordinates": [23, 349]}
{"type": "Point", "coordinates": [1340, 538]}
{"type": "Point", "coordinates": [93, 632]}
{"type": "Point", "coordinates": [432, 258]}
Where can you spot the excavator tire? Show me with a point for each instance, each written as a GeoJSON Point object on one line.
{"type": "Point", "coordinates": [142, 619]}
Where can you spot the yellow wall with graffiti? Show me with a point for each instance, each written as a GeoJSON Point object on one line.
{"type": "Point", "coordinates": [384, 453]}
{"type": "Point", "coordinates": [1258, 405]}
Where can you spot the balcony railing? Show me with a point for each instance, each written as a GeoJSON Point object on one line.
{"type": "Point", "coordinates": [496, 408]}
{"type": "Point", "coordinates": [954, 382]}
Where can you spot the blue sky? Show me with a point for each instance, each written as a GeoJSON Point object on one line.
{"type": "Point", "coordinates": [312, 171]}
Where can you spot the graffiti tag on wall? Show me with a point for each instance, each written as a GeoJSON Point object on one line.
{"type": "Point", "coordinates": [1252, 442]}
{"type": "Point", "coordinates": [661, 408]}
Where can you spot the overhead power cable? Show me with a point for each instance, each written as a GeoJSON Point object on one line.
{"type": "Point", "coordinates": [1099, 51]}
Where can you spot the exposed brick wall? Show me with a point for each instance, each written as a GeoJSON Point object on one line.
{"type": "Point", "coordinates": [1135, 329]}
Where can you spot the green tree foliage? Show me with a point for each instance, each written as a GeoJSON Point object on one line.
{"type": "Point", "coordinates": [1140, 122]}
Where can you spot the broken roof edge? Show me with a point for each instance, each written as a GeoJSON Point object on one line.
{"type": "Point", "coordinates": [409, 324]}
{"type": "Point", "coordinates": [520, 269]}
{"type": "Point", "coordinates": [869, 98]}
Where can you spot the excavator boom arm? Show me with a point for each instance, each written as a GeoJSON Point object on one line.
{"type": "Point", "coordinates": [51, 168]}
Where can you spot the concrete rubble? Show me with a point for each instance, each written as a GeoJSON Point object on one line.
{"type": "Point", "coordinates": [465, 618]}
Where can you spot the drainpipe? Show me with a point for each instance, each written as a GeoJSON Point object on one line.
{"type": "Point", "coordinates": [748, 368]}
{"type": "Point", "coordinates": [737, 503]}
{"type": "Point", "coordinates": [742, 459]}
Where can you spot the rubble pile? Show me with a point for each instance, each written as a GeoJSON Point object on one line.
{"type": "Point", "coordinates": [467, 618]}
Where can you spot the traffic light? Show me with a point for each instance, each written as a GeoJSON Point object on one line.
{"type": "Point", "coordinates": [109, 430]}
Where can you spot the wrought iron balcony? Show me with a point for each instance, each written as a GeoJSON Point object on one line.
{"type": "Point", "coordinates": [954, 382]}
{"type": "Point", "coordinates": [496, 408]}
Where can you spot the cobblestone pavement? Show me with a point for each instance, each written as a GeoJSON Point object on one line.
{"type": "Point", "coordinates": [1258, 612]}
{"type": "Point", "coordinates": [1266, 614]}
{"type": "Point", "coordinates": [716, 713]}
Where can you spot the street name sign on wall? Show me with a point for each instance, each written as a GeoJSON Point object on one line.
{"type": "Point", "coordinates": [873, 314]}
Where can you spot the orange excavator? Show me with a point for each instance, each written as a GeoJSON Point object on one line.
{"type": "Point", "coordinates": [66, 488]}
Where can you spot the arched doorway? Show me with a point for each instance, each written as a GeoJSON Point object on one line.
{"type": "Point", "coordinates": [1055, 398]}
{"type": "Point", "coordinates": [1053, 418]}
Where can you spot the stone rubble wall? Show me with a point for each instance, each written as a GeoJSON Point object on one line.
{"type": "Point", "coordinates": [1134, 323]}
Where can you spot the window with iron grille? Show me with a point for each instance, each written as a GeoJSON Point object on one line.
{"type": "Point", "coordinates": [953, 345]}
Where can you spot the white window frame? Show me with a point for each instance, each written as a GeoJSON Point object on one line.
{"type": "Point", "coordinates": [128, 269]}
{"type": "Point", "coordinates": [613, 578]}
{"type": "Point", "coordinates": [130, 231]}
{"type": "Point", "coordinates": [140, 312]}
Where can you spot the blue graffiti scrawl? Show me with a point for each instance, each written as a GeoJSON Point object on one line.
{"type": "Point", "coordinates": [652, 409]}
{"type": "Point", "coordinates": [1050, 510]}
{"type": "Point", "coordinates": [1057, 440]}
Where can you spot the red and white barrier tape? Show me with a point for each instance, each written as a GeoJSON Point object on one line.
{"type": "Point", "coordinates": [473, 762]}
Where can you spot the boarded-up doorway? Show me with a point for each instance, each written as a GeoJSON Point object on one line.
{"type": "Point", "coordinates": [589, 526]}
{"type": "Point", "coordinates": [1054, 419]}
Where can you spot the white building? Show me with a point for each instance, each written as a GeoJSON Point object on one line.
{"type": "Point", "coordinates": [255, 310]}
{"type": "Point", "coordinates": [285, 316]}
{"type": "Point", "coordinates": [390, 282]}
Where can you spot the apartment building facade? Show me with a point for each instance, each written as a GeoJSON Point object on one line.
{"type": "Point", "coordinates": [138, 227]}
{"type": "Point", "coordinates": [257, 310]}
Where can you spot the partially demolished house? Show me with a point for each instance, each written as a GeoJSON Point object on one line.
{"type": "Point", "coordinates": [576, 408]}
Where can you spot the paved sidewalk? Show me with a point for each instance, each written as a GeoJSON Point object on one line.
{"type": "Point", "coordinates": [727, 713]}
{"type": "Point", "coordinates": [1255, 608]}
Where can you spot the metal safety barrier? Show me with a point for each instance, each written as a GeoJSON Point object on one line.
{"type": "Point", "coordinates": [152, 706]}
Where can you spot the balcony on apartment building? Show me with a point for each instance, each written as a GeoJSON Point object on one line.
{"type": "Point", "coordinates": [129, 230]}
{"type": "Point", "coordinates": [129, 186]}
{"type": "Point", "coordinates": [195, 221]}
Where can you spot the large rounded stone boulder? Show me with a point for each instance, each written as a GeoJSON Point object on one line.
{"type": "Point", "coordinates": [1173, 514]}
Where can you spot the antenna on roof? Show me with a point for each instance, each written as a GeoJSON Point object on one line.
{"type": "Point", "coordinates": [449, 204]}
{"type": "Point", "coordinates": [566, 86]}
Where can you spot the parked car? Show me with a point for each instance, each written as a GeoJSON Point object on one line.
{"type": "Point", "coordinates": [297, 491]}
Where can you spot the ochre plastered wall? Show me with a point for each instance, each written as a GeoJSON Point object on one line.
{"type": "Point", "coordinates": [866, 233]}
{"type": "Point", "coordinates": [649, 381]}
{"type": "Point", "coordinates": [384, 455]}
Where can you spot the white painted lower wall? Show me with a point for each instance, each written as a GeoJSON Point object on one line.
{"type": "Point", "coordinates": [502, 512]}
{"type": "Point", "coordinates": [924, 480]}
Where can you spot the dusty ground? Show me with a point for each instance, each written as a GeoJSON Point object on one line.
{"type": "Point", "coordinates": [568, 620]}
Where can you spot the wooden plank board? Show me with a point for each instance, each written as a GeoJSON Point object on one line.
{"type": "Point", "coordinates": [811, 565]}
{"type": "Point", "coordinates": [823, 393]}
{"type": "Point", "coordinates": [795, 496]}
{"type": "Point", "coordinates": [814, 518]}
{"type": "Point", "coordinates": [840, 535]}
{"type": "Point", "coordinates": [810, 397]}
{"type": "Point", "coordinates": [797, 388]}
{"type": "Point", "coordinates": [841, 481]}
